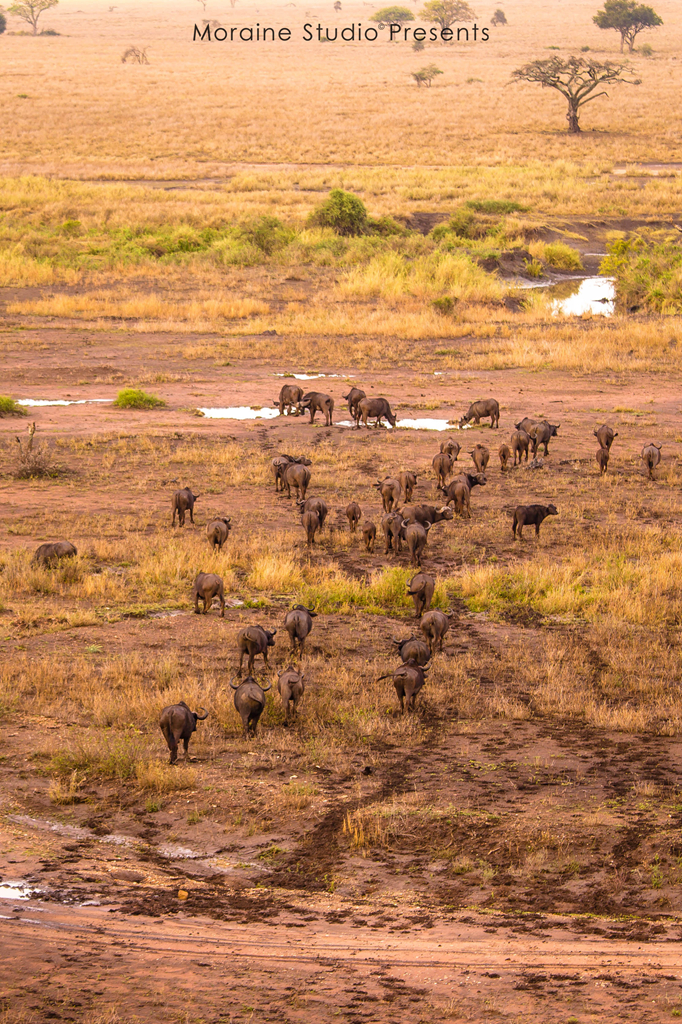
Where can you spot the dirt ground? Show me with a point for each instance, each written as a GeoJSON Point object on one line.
{"type": "Point", "coordinates": [287, 917]}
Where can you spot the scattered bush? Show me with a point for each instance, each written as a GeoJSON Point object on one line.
{"type": "Point", "coordinates": [134, 398]}
{"type": "Point", "coordinates": [648, 272]}
{"type": "Point", "coordinates": [3, 23]}
{"type": "Point", "coordinates": [646, 50]}
{"type": "Point", "coordinates": [269, 234]}
{"type": "Point", "coordinates": [495, 206]}
{"type": "Point", "coordinates": [8, 407]}
{"type": "Point", "coordinates": [556, 254]}
{"type": "Point", "coordinates": [426, 75]}
{"type": "Point", "coordinates": [343, 212]}
{"type": "Point", "coordinates": [34, 460]}
{"type": "Point", "coordinates": [134, 55]}
{"type": "Point", "coordinates": [444, 306]}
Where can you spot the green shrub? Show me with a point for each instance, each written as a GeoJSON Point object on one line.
{"type": "Point", "coordinates": [8, 407]}
{"type": "Point", "coordinates": [444, 306]}
{"type": "Point", "coordinates": [343, 212]}
{"type": "Point", "coordinates": [648, 272]}
{"type": "Point", "coordinates": [134, 398]}
{"type": "Point", "coordinates": [561, 256]}
{"type": "Point", "coordinates": [3, 23]}
{"type": "Point", "coordinates": [269, 234]}
{"type": "Point", "coordinates": [533, 268]}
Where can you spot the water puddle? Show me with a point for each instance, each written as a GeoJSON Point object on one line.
{"type": "Point", "coordinates": [595, 295]}
{"type": "Point", "coordinates": [16, 891]}
{"type": "Point", "coordinates": [38, 403]}
{"type": "Point", "coordinates": [307, 376]}
{"type": "Point", "coordinates": [241, 412]}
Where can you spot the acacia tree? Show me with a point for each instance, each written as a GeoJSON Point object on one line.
{"type": "Point", "coordinates": [393, 16]}
{"type": "Point", "coordinates": [576, 79]}
{"type": "Point", "coordinates": [627, 17]}
{"type": "Point", "coordinates": [426, 75]}
{"type": "Point", "coordinates": [499, 17]}
{"type": "Point", "coordinates": [446, 12]}
{"type": "Point", "coordinates": [30, 10]}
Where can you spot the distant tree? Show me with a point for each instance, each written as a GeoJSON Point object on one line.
{"type": "Point", "coordinates": [446, 12]}
{"type": "Point", "coordinates": [337, 5]}
{"type": "Point", "coordinates": [393, 16]}
{"type": "Point", "coordinates": [3, 23]}
{"type": "Point", "coordinates": [418, 45]}
{"type": "Point", "coordinates": [134, 55]}
{"type": "Point", "coordinates": [426, 75]}
{"type": "Point", "coordinates": [498, 18]}
{"type": "Point", "coordinates": [203, 4]}
{"type": "Point", "coordinates": [30, 11]}
{"type": "Point", "coordinates": [575, 78]}
{"type": "Point", "coordinates": [627, 17]}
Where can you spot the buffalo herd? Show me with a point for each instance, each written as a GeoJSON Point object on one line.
{"type": "Point", "coordinates": [402, 524]}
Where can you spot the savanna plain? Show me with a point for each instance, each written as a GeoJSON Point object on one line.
{"type": "Point", "coordinates": [511, 850]}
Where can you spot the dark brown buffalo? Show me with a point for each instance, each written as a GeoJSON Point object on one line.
{"type": "Point", "coordinates": [527, 423]}
{"type": "Point", "coordinates": [602, 460]}
{"type": "Point", "coordinates": [207, 586]}
{"type": "Point", "coordinates": [459, 491]}
{"type": "Point", "coordinates": [443, 465]}
{"type": "Point", "coordinates": [298, 624]}
{"type": "Point", "coordinates": [353, 515]}
{"type": "Point", "coordinates": [296, 476]}
{"type": "Point", "coordinates": [505, 455]}
{"type": "Point", "coordinates": [451, 447]}
{"type": "Point", "coordinates": [651, 456]}
{"type": "Point", "coordinates": [50, 554]}
{"type": "Point", "coordinates": [354, 396]}
{"type": "Point", "coordinates": [605, 435]}
{"type": "Point", "coordinates": [280, 463]}
{"type": "Point", "coordinates": [416, 537]}
{"type": "Point", "coordinates": [316, 402]}
{"type": "Point", "coordinates": [291, 688]}
{"type": "Point", "coordinates": [426, 514]}
{"type": "Point", "coordinates": [318, 505]}
{"type": "Point", "coordinates": [183, 502]}
{"type": "Point", "coordinates": [310, 521]}
{"type": "Point", "coordinates": [377, 408]}
{"type": "Point", "coordinates": [531, 515]}
{"type": "Point", "coordinates": [434, 625]}
{"type": "Point", "coordinates": [217, 532]}
{"type": "Point", "coordinates": [481, 410]}
{"type": "Point", "coordinates": [369, 536]}
{"type": "Point", "coordinates": [392, 525]}
{"type": "Point", "coordinates": [249, 700]}
{"type": "Point", "coordinates": [408, 481]}
{"type": "Point", "coordinates": [421, 588]}
{"type": "Point", "coordinates": [520, 442]}
{"type": "Point", "coordinates": [408, 680]}
{"type": "Point", "coordinates": [177, 722]}
{"type": "Point", "coordinates": [541, 433]}
{"type": "Point", "coordinates": [254, 640]}
{"type": "Point", "coordinates": [390, 490]}
{"type": "Point", "coordinates": [413, 649]}
{"type": "Point", "coordinates": [289, 398]}
{"type": "Point", "coordinates": [480, 456]}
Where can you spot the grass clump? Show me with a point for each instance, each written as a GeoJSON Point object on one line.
{"type": "Point", "coordinates": [135, 398]}
{"type": "Point", "coordinates": [556, 254]}
{"type": "Point", "coordinates": [9, 407]}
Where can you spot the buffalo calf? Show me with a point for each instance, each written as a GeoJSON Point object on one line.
{"type": "Point", "coordinates": [531, 515]}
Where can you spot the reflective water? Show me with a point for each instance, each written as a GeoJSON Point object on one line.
{"type": "Point", "coordinates": [307, 376]}
{"type": "Point", "coordinates": [596, 295]}
{"type": "Point", "coordinates": [421, 424]}
{"type": "Point", "coordinates": [16, 891]}
{"type": "Point", "coordinates": [35, 403]}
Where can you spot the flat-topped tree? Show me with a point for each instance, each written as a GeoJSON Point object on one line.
{"type": "Point", "coordinates": [627, 17]}
{"type": "Point", "coordinates": [30, 10]}
{"type": "Point", "coordinates": [446, 12]}
{"type": "Point", "coordinates": [393, 16]}
{"type": "Point", "coordinates": [575, 78]}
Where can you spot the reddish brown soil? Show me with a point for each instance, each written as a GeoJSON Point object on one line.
{"type": "Point", "coordinates": [397, 938]}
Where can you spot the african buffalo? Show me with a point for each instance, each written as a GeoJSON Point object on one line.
{"type": "Point", "coordinates": [408, 481]}
{"type": "Point", "coordinates": [531, 515]}
{"type": "Point", "coordinates": [354, 396]}
{"type": "Point", "coordinates": [520, 442]}
{"type": "Point", "coordinates": [390, 491]}
{"type": "Point", "coordinates": [480, 410]}
{"type": "Point", "coordinates": [289, 398]}
{"type": "Point", "coordinates": [602, 460]}
{"type": "Point", "coordinates": [50, 554]}
{"type": "Point", "coordinates": [318, 505]}
{"type": "Point", "coordinates": [408, 680]}
{"type": "Point", "coordinates": [434, 625]}
{"type": "Point", "coordinates": [207, 586]}
{"type": "Point", "coordinates": [177, 722]}
{"type": "Point", "coordinates": [505, 455]}
{"type": "Point", "coordinates": [413, 649]}
{"type": "Point", "coordinates": [291, 688]}
{"type": "Point", "coordinates": [249, 700]}
{"type": "Point", "coordinates": [183, 502]}
{"type": "Point", "coordinates": [353, 515]}
{"type": "Point", "coordinates": [421, 588]}
{"type": "Point", "coordinates": [374, 407]}
{"type": "Point", "coordinates": [369, 536]}
{"type": "Point", "coordinates": [254, 640]}
{"type": "Point", "coordinates": [480, 456]}
{"type": "Point", "coordinates": [316, 401]}
{"type": "Point", "coordinates": [298, 624]}
{"type": "Point", "coordinates": [296, 476]}
{"type": "Point", "coordinates": [605, 435]}
{"type": "Point", "coordinates": [217, 532]}
{"type": "Point", "coordinates": [651, 456]}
